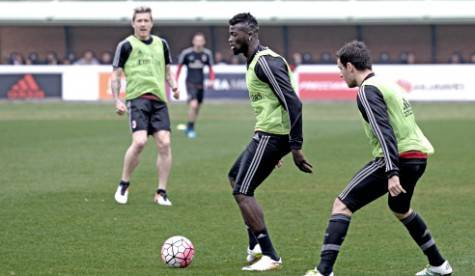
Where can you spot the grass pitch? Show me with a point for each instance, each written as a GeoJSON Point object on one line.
{"type": "Point", "coordinates": [60, 164]}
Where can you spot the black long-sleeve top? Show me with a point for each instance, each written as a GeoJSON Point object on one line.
{"type": "Point", "coordinates": [374, 110]}
{"type": "Point", "coordinates": [274, 71]}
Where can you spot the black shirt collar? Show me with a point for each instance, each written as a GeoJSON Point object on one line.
{"type": "Point", "coordinates": [258, 49]}
{"type": "Point", "coordinates": [368, 76]}
{"type": "Point", "coordinates": [148, 41]}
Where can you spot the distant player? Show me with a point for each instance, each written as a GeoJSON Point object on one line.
{"type": "Point", "coordinates": [278, 131]}
{"type": "Point", "coordinates": [145, 61]}
{"type": "Point", "coordinates": [195, 59]}
{"type": "Point", "coordinates": [400, 152]}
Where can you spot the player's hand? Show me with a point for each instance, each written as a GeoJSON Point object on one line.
{"type": "Point", "coordinates": [394, 187]}
{"type": "Point", "coordinates": [176, 93]}
{"type": "Point", "coordinates": [120, 107]}
{"type": "Point", "coordinates": [210, 84]}
{"type": "Point", "coordinates": [300, 161]}
{"type": "Point", "coordinates": [279, 164]}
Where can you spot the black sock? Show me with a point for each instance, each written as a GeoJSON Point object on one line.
{"type": "Point", "coordinates": [266, 244]}
{"type": "Point", "coordinates": [162, 192]}
{"type": "Point", "coordinates": [190, 125]}
{"type": "Point", "coordinates": [124, 185]}
{"type": "Point", "coordinates": [252, 239]}
{"type": "Point", "coordinates": [334, 237]}
{"type": "Point", "coordinates": [421, 235]}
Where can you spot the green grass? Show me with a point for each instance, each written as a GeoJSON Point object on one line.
{"type": "Point", "coordinates": [60, 164]}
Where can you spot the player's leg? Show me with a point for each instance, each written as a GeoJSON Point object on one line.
{"type": "Point", "coordinates": [138, 124]}
{"type": "Point", "coordinates": [410, 172]}
{"type": "Point", "coordinates": [199, 99]}
{"type": "Point", "coordinates": [261, 157]}
{"type": "Point", "coordinates": [253, 171]}
{"type": "Point", "coordinates": [131, 158]}
{"type": "Point", "coordinates": [254, 251]}
{"type": "Point", "coordinates": [363, 188]}
{"type": "Point", "coordinates": [164, 164]}
{"type": "Point", "coordinates": [258, 234]}
{"type": "Point", "coordinates": [193, 109]}
{"type": "Point", "coordinates": [160, 127]}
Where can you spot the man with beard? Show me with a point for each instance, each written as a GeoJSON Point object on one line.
{"type": "Point", "coordinates": [278, 131]}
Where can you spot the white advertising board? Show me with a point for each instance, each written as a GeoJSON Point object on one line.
{"type": "Point", "coordinates": [315, 82]}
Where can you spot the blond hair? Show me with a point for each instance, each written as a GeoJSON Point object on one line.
{"type": "Point", "coordinates": [142, 9]}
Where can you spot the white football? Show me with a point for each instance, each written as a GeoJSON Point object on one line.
{"type": "Point", "coordinates": [177, 251]}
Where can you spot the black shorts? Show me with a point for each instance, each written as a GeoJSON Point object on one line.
{"type": "Point", "coordinates": [195, 92]}
{"type": "Point", "coordinates": [371, 183]}
{"type": "Point", "coordinates": [148, 114]}
{"type": "Point", "coordinates": [257, 161]}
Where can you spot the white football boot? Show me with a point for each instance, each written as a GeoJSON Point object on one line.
{"type": "Point", "coordinates": [122, 194]}
{"type": "Point", "coordinates": [162, 200]}
{"type": "Point", "coordinates": [315, 272]}
{"type": "Point", "coordinates": [442, 270]}
{"type": "Point", "coordinates": [264, 264]}
{"type": "Point", "coordinates": [254, 254]}
{"type": "Point", "coordinates": [191, 133]}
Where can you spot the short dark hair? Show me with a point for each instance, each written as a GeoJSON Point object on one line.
{"type": "Point", "coordinates": [245, 18]}
{"type": "Point", "coordinates": [199, 34]}
{"type": "Point", "coordinates": [356, 53]}
{"type": "Point", "coordinates": [142, 9]}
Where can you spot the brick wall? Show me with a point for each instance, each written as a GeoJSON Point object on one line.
{"type": "Point", "coordinates": [315, 40]}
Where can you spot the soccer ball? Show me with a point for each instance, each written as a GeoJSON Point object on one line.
{"type": "Point", "coordinates": [177, 251]}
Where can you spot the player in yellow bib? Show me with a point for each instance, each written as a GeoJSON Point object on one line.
{"type": "Point", "coordinates": [145, 61]}
{"type": "Point", "coordinates": [400, 152]}
{"type": "Point", "coordinates": [278, 131]}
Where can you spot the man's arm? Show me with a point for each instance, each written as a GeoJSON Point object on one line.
{"type": "Point", "coordinates": [274, 71]}
{"type": "Point", "coordinates": [115, 87]}
{"type": "Point", "coordinates": [171, 81]}
{"type": "Point", "coordinates": [211, 75]}
{"type": "Point", "coordinates": [115, 82]}
{"type": "Point", "coordinates": [178, 71]}
{"type": "Point", "coordinates": [170, 78]}
{"type": "Point", "coordinates": [181, 61]}
{"type": "Point", "coordinates": [374, 110]}
{"type": "Point", "coordinates": [210, 63]}
{"type": "Point", "coordinates": [122, 53]}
